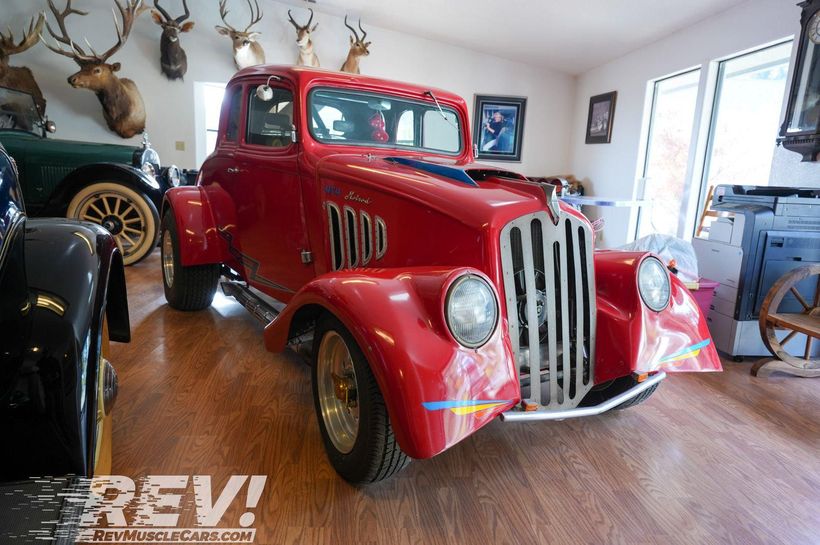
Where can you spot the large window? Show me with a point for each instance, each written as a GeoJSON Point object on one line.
{"type": "Point", "coordinates": [671, 123]}
{"type": "Point", "coordinates": [745, 118]}
{"type": "Point", "coordinates": [270, 122]}
{"type": "Point", "coordinates": [353, 117]}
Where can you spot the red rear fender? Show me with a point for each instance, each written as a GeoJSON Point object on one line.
{"type": "Point", "coordinates": [199, 239]}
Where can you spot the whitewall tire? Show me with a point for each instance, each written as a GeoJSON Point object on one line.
{"type": "Point", "coordinates": [129, 215]}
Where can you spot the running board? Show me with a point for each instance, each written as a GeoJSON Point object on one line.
{"type": "Point", "coordinates": [260, 310]}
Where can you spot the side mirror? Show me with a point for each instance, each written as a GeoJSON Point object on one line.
{"type": "Point", "coordinates": [264, 93]}
{"type": "Point", "coordinates": [51, 127]}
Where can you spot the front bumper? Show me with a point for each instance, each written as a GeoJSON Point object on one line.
{"type": "Point", "coordinates": [577, 412]}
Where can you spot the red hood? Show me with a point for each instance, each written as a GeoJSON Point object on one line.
{"type": "Point", "coordinates": [494, 196]}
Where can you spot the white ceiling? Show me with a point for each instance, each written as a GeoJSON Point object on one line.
{"type": "Point", "coordinates": [571, 36]}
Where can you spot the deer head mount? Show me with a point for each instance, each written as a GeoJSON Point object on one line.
{"type": "Point", "coordinates": [307, 57]}
{"type": "Point", "coordinates": [122, 104]}
{"type": "Point", "coordinates": [21, 78]}
{"type": "Point", "coordinates": [173, 60]}
{"type": "Point", "coordinates": [246, 50]}
{"type": "Point", "coordinates": [358, 49]}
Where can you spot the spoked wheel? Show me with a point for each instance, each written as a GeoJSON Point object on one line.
{"type": "Point", "coordinates": [128, 215]}
{"type": "Point", "coordinates": [800, 288]}
{"type": "Point", "coordinates": [352, 414]}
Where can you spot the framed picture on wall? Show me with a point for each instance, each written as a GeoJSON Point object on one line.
{"type": "Point", "coordinates": [599, 122]}
{"type": "Point", "coordinates": [498, 127]}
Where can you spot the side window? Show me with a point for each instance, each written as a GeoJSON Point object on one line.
{"type": "Point", "coordinates": [232, 129]}
{"type": "Point", "coordinates": [270, 123]}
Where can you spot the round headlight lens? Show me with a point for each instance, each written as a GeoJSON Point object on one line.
{"type": "Point", "coordinates": [653, 283]}
{"type": "Point", "coordinates": [174, 176]}
{"type": "Point", "coordinates": [471, 310]}
{"type": "Point", "coordinates": [148, 168]}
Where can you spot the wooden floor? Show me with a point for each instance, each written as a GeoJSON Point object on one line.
{"type": "Point", "coordinates": [711, 458]}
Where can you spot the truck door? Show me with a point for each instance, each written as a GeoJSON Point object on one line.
{"type": "Point", "coordinates": [268, 195]}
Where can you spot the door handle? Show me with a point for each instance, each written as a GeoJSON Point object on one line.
{"type": "Point", "coordinates": [233, 170]}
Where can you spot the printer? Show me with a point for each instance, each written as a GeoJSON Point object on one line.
{"type": "Point", "coordinates": [764, 232]}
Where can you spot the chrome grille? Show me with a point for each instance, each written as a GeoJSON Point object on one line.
{"type": "Point", "coordinates": [549, 281]}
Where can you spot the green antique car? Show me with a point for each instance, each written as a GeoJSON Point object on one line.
{"type": "Point", "coordinates": [118, 187]}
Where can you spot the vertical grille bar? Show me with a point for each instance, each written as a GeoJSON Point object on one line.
{"type": "Point", "coordinates": [550, 280]}
{"type": "Point", "coordinates": [580, 304]}
{"type": "Point", "coordinates": [565, 352]}
{"type": "Point", "coordinates": [532, 317]}
{"type": "Point", "coordinates": [510, 295]}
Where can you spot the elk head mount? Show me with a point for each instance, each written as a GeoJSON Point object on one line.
{"type": "Point", "coordinates": [307, 57]}
{"type": "Point", "coordinates": [173, 60]}
{"type": "Point", "coordinates": [122, 104]}
{"type": "Point", "coordinates": [358, 49]}
{"type": "Point", "coordinates": [20, 78]}
{"type": "Point", "coordinates": [246, 50]}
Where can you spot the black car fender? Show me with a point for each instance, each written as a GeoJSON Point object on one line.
{"type": "Point", "coordinates": [73, 272]}
{"type": "Point", "coordinates": [98, 172]}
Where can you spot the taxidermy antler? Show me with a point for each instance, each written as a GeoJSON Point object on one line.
{"type": "Point", "coordinates": [20, 77]}
{"type": "Point", "coordinates": [358, 49]}
{"type": "Point", "coordinates": [307, 57]}
{"type": "Point", "coordinates": [122, 104]}
{"type": "Point", "coordinates": [246, 50]}
{"type": "Point", "coordinates": [173, 60]}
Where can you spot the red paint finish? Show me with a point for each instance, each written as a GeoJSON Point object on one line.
{"type": "Point", "coordinates": [259, 209]}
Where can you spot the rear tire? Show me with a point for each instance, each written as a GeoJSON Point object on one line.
{"type": "Point", "coordinates": [638, 399]}
{"type": "Point", "coordinates": [186, 288]}
{"type": "Point", "coordinates": [357, 435]}
{"type": "Point", "coordinates": [127, 214]}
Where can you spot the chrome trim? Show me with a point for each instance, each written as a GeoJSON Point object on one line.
{"type": "Point", "coordinates": [332, 238]}
{"type": "Point", "coordinates": [569, 367]}
{"type": "Point", "coordinates": [551, 196]}
{"type": "Point", "coordinates": [578, 412]}
{"type": "Point", "coordinates": [367, 241]}
{"type": "Point", "coordinates": [381, 239]}
{"type": "Point", "coordinates": [351, 245]}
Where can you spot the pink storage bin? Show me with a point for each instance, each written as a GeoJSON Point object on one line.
{"type": "Point", "coordinates": [704, 294]}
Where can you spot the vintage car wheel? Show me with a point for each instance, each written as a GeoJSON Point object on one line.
{"type": "Point", "coordinates": [129, 215]}
{"type": "Point", "coordinates": [106, 394]}
{"type": "Point", "coordinates": [352, 414]}
{"type": "Point", "coordinates": [186, 288]}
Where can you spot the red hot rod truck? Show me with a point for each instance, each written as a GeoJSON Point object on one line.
{"type": "Point", "coordinates": [439, 293]}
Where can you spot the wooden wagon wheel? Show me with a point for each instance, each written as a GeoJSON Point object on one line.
{"type": "Point", "coordinates": [806, 322]}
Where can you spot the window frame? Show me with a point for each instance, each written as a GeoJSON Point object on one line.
{"type": "Point", "coordinates": [249, 89]}
{"type": "Point", "coordinates": [393, 146]}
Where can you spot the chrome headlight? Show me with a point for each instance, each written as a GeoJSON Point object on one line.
{"type": "Point", "coordinates": [653, 283]}
{"type": "Point", "coordinates": [148, 168]}
{"type": "Point", "coordinates": [174, 176]}
{"type": "Point", "coordinates": [471, 309]}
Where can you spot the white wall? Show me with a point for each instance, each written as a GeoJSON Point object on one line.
{"type": "Point", "coordinates": [611, 170]}
{"type": "Point", "coordinates": [393, 55]}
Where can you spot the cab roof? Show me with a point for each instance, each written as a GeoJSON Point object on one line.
{"type": "Point", "coordinates": [305, 76]}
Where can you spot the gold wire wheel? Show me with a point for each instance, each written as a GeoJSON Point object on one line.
{"type": "Point", "coordinates": [338, 391]}
{"type": "Point", "coordinates": [802, 287]}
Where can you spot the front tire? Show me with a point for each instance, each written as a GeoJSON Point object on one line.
{"type": "Point", "coordinates": [186, 288]}
{"type": "Point", "coordinates": [351, 411]}
{"type": "Point", "coordinates": [127, 214]}
{"type": "Point", "coordinates": [637, 400]}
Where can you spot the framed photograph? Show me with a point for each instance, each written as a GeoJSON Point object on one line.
{"type": "Point", "coordinates": [498, 127]}
{"type": "Point", "coordinates": [599, 122]}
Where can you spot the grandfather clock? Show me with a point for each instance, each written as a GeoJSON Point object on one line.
{"type": "Point", "coordinates": [800, 131]}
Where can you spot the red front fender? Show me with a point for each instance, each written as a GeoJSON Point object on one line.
{"type": "Point", "coordinates": [437, 392]}
{"type": "Point", "coordinates": [632, 338]}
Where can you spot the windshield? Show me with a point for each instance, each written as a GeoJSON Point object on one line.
{"type": "Point", "coordinates": [18, 111]}
{"type": "Point", "coordinates": [359, 118]}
